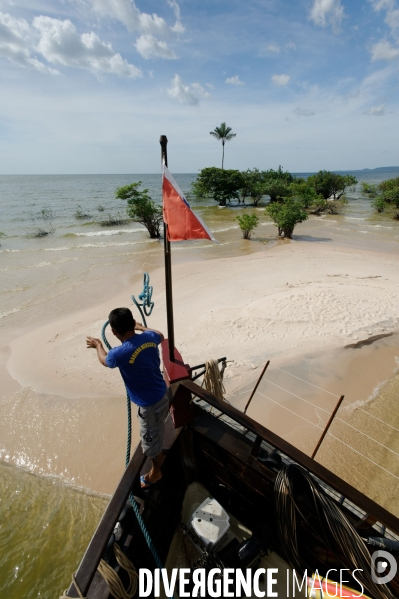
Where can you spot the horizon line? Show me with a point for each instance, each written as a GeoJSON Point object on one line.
{"type": "Point", "coordinates": [177, 173]}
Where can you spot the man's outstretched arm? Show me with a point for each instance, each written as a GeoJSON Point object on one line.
{"type": "Point", "coordinates": [98, 346]}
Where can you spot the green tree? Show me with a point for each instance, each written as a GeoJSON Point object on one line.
{"type": "Point", "coordinates": [378, 204]}
{"type": "Point", "coordinates": [304, 193]}
{"type": "Point", "coordinates": [245, 190]}
{"type": "Point", "coordinates": [391, 196]}
{"type": "Point", "coordinates": [223, 134]}
{"type": "Point", "coordinates": [329, 184]}
{"type": "Point", "coordinates": [253, 185]}
{"type": "Point", "coordinates": [389, 184]}
{"type": "Point", "coordinates": [286, 215]}
{"type": "Point", "coordinates": [247, 223]}
{"type": "Point", "coordinates": [141, 208]}
{"type": "Point", "coordinates": [277, 183]}
{"type": "Point", "coordinates": [370, 188]}
{"type": "Point", "coordinates": [219, 184]}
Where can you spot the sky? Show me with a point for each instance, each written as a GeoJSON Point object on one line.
{"type": "Point", "coordinates": [88, 86]}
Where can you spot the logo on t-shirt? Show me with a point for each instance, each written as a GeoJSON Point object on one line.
{"type": "Point", "coordinates": [140, 349]}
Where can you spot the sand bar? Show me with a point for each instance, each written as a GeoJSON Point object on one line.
{"type": "Point", "coordinates": [288, 303]}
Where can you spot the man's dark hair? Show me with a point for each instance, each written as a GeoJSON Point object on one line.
{"type": "Point", "coordinates": [121, 320]}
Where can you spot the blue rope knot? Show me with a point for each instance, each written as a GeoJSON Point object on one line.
{"type": "Point", "coordinates": [146, 298]}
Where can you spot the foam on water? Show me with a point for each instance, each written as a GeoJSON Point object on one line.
{"type": "Point", "coordinates": [8, 312]}
{"type": "Point", "coordinates": [107, 233]}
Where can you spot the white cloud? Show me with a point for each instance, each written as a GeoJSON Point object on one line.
{"type": "Point", "coordinates": [186, 94]}
{"type": "Point", "coordinates": [273, 48]}
{"type": "Point", "coordinates": [158, 26]}
{"type": "Point", "coordinates": [376, 110]}
{"type": "Point", "coordinates": [384, 51]}
{"type": "Point", "coordinates": [234, 80]}
{"type": "Point", "coordinates": [121, 10]}
{"type": "Point", "coordinates": [16, 43]}
{"type": "Point", "coordinates": [392, 19]}
{"type": "Point", "coordinates": [392, 16]}
{"type": "Point", "coordinates": [327, 12]}
{"type": "Point", "coordinates": [153, 28]}
{"type": "Point", "coordinates": [382, 4]}
{"type": "Point", "coordinates": [173, 4]}
{"type": "Point", "coordinates": [303, 111]}
{"type": "Point", "coordinates": [281, 79]}
{"type": "Point", "coordinates": [39, 66]}
{"type": "Point", "coordinates": [61, 44]}
{"type": "Point", "coordinates": [150, 47]}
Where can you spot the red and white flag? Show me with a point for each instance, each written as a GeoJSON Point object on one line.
{"type": "Point", "coordinates": [182, 222]}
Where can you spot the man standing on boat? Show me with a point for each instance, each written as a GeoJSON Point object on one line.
{"type": "Point", "coordinates": [139, 364]}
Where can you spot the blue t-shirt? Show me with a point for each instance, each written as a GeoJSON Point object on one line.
{"type": "Point", "coordinates": [139, 363]}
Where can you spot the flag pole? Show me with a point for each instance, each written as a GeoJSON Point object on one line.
{"type": "Point", "coordinates": [168, 266]}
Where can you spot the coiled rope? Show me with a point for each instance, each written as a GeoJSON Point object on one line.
{"type": "Point", "coordinates": [213, 380]}
{"type": "Point", "coordinates": [112, 579]}
{"type": "Point", "coordinates": [333, 525]}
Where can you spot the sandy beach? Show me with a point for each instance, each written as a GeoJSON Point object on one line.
{"type": "Point", "coordinates": [297, 303]}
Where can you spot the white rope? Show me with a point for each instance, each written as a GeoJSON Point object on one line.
{"type": "Point", "coordinates": [336, 418]}
{"type": "Point", "coordinates": [292, 412]}
{"type": "Point", "coordinates": [81, 596]}
{"type": "Point", "coordinates": [363, 456]}
{"type": "Point", "coordinates": [297, 377]}
{"type": "Point", "coordinates": [368, 437]}
{"type": "Point", "coordinates": [112, 579]}
{"type": "Point", "coordinates": [290, 392]}
{"type": "Point", "coordinates": [331, 435]}
{"type": "Point", "coordinates": [325, 391]}
{"type": "Point", "coordinates": [379, 419]}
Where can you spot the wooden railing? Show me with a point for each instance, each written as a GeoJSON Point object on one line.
{"type": "Point", "coordinates": [372, 509]}
{"type": "Point", "coordinates": [91, 558]}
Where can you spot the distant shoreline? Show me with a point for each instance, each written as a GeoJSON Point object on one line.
{"type": "Point", "coordinates": [379, 169]}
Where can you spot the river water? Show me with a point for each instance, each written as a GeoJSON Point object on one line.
{"type": "Point", "coordinates": [41, 538]}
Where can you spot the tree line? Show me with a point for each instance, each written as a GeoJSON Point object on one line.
{"type": "Point", "coordinates": [291, 198]}
{"type": "Point", "coordinates": [224, 185]}
{"type": "Point", "coordinates": [385, 194]}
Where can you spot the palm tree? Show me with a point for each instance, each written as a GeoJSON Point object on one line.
{"type": "Point", "coordinates": [224, 133]}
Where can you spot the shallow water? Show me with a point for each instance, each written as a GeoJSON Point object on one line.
{"type": "Point", "coordinates": [45, 526]}
{"type": "Point", "coordinates": [296, 398]}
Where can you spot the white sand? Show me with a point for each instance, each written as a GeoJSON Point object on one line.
{"type": "Point", "coordinates": [283, 301]}
{"type": "Point", "coordinates": [276, 304]}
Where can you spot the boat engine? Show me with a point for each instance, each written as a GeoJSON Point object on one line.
{"type": "Point", "coordinates": [208, 531]}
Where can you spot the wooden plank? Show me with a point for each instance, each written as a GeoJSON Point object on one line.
{"type": "Point", "coordinates": [362, 501]}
